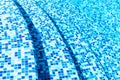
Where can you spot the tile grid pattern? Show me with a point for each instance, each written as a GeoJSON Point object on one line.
{"type": "Point", "coordinates": [91, 50]}
{"type": "Point", "coordinates": [103, 36]}
{"type": "Point", "coordinates": [97, 52]}
{"type": "Point", "coordinates": [74, 38]}
{"type": "Point", "coordinates": [53, 46]}
{"type": "Point", "coordinates": [16, 57]}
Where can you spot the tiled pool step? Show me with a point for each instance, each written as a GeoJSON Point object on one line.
{"type": "Point", "coordinates": [16, 57]}
{"type": "Point", "coordinates": [58, 51]}
{"type": "Point", "coordinates": [95, 47]}
{"type": "Point", "coordinates": [71, 39]}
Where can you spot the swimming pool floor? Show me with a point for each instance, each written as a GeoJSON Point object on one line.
{"type": "Point", "coordinates": [59, 40]}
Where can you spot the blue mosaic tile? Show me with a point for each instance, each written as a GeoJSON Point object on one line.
{"type": "Point", "coordinates": [59, 40]}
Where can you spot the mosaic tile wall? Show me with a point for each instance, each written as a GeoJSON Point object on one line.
{"type": "Point", "coordinates": [59, 40]}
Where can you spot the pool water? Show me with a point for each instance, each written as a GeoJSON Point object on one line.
{"type": "Point", "coordinates": [59, 40]}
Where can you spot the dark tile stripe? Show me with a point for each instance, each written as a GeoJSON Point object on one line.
{"type": "Point", "coordinates": [39, 54]}
{"type": "Point", "coordinates": [77, 66]}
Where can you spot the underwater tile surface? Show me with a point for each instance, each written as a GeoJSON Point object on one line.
{"type": "Point", "coordinates": [59, 40]}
